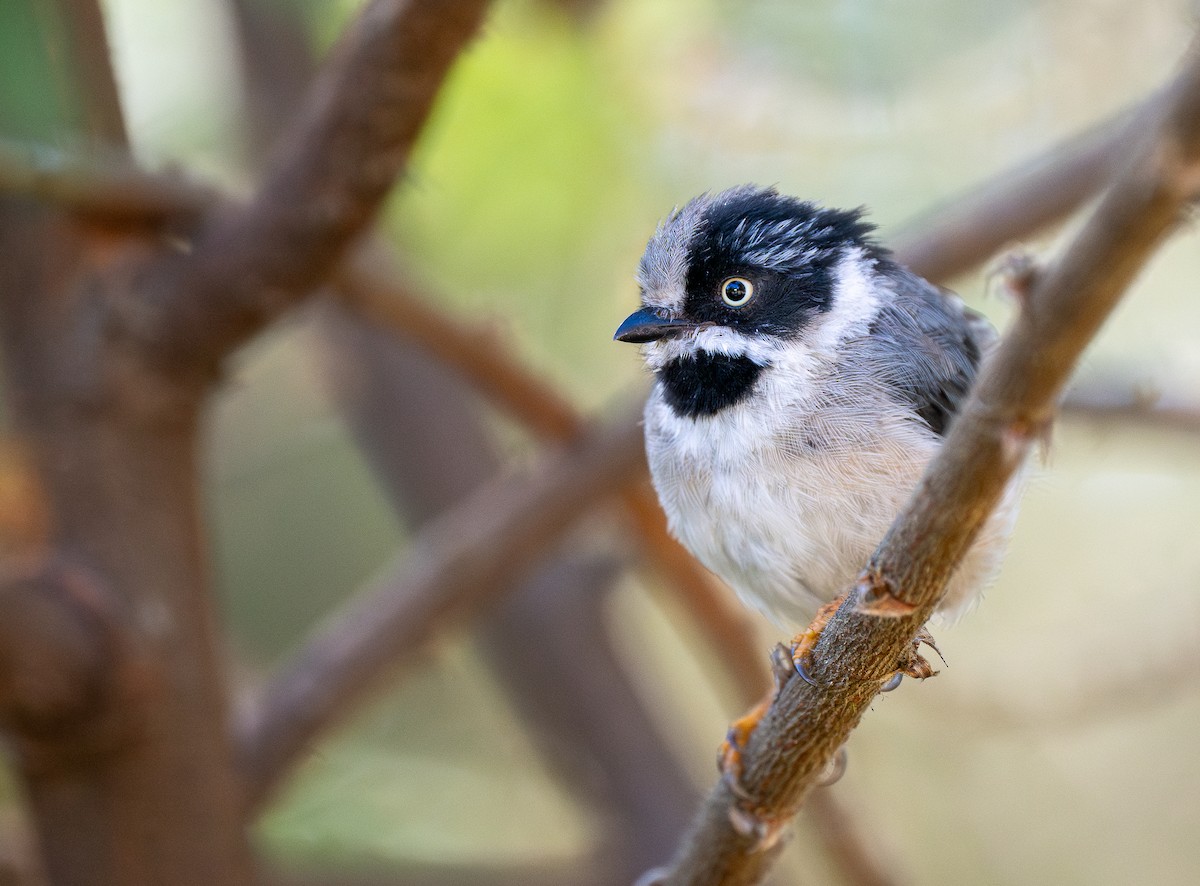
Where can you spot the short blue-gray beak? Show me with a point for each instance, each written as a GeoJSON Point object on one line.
{"type": "Point", "coordinates": [645, 325]}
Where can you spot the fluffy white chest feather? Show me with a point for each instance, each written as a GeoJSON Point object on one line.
{"type": "Point", "coordinates": [785, 509]}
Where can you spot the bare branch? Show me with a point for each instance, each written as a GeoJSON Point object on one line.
{"type": "Point", "coordinates": [1110, 398]}
{"type": "Point", "coordinates": [86, 53]}
{"type": "Point", "coordinates": [371, 286]}
{"type": "Point", "coordinates": [951, 239]}
{"type": "Point", "coordinates": [473, 551]}
{"type": "Point", "coordinates": [107, 184]}
{"type": "Point", "coordinates": [484, 361]}
{"type": "Point", "coordinates": [1009, 408]}
{"type": "Point", "coordinates": [322, 186]}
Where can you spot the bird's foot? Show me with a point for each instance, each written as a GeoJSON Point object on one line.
{"type": "Point", "coordinates": [804, 642]}
{"type": "Point", "coordinates": [729, 756]}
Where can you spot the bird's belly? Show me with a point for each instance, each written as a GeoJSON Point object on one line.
{"type": "Point", "coordinates": [787, 530]}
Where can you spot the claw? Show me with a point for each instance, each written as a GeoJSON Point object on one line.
{"type": "Point", "coordinates": [801, 661]}
{"type": "Point", "coordinates": [729, 756]}
{"type": "Point", "coordinates": [893, 682]}
{"type": "Point", "coordinates": [835, 769]}
{"type": "Point", "coordinates": [804, 643]}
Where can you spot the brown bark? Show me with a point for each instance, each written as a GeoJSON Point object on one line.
{"type": "Point", "coordinates": [110, 338]}
{"type": "Point", "coordinates": [469, 554]}
{"type": "Point", "coordinates": [139, 788]}
{"type": "Point", "coordinates": [322, 185]}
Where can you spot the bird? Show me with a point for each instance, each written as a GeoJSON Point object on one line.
{"type": "Point", "coordinates": [802, 380]}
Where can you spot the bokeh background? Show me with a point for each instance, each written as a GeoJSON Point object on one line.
{"type": "Point", "coordinates": [1060, 742]}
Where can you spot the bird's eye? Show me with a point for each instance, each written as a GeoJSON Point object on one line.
{"type": "Point", "coordinates": [736, 291]}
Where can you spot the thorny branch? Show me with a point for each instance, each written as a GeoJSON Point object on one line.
{"type": "Point", "coordinates": [1008, 410]}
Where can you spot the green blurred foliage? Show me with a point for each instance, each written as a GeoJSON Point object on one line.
{"type": "Point", "coordinates": [37, 100]}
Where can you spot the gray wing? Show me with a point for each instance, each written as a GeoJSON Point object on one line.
{"type": "Point", "coordinates": [929, 346]}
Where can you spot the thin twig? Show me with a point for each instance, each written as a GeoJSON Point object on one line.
{"type": "Point", "coordinates": [472, 552]}
{"type": "Point", "coordinates": [321, 188]}
{"type": "Point", "coordinates": [1009, 408]}
{"type": "Point", "coordinates": [1109, 398]}
{"type": "Point", "coordinates": [966, 231]}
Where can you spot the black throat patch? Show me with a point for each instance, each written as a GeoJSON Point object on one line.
{"type": "Point", "coordinates": [707, 383]}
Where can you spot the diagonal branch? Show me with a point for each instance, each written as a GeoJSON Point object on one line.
{"type": "Point", "coordinates": [537, 405]}
{"type": "Point", "coordinates": [323, 185]}
{"type": "Point", "coordinates": [957, 236]}
{"type": "Point", "coordinates": [472, 552]}
{"type": "Point", "coordinates": [1009, 408]}
{"type": "Point", "coordinates": [85, 52]}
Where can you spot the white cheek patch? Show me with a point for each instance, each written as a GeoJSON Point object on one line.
{"type": "Point", "coordinates": [763, 350]}
{"type": "Point", "coordinates": [855, 303]}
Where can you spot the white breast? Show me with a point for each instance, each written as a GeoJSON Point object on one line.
{"type": "Point", "coordinates": [785, 499]}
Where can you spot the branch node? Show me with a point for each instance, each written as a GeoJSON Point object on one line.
{"type": "Point", "coordinates": [59, 662]}
{"type": "Point", "coordinates": [764, 830]}
{"type": "Point", "coordinates": [1019, 434]}
{"type": "Point", "coordinates": [875, 595]}
{"type": "Point", "coordinates": [1014, 273]}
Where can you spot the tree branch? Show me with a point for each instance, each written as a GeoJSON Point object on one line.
{"type": "Point", "coordinates": [100, 183]}
{"type": "Point", "coordinates": [1108, 398]}
{"type": "Point", "coordinates": [1009, 408]}
{"type": "Point", "coordinates": [370, 287]}
{"type": "Point", "coordinates": [966, 231]}
{"type": "Point", "coordinates": [475, 550]}
{"type": "Point", "coordinates": [322, 186]}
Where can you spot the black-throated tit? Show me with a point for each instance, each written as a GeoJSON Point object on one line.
{"type": "Point", "coordinates": [803, 379]}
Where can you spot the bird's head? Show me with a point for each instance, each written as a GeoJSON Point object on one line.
{"type": "Point", "coordinates": [733, 280]}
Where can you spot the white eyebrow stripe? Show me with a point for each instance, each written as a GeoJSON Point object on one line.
{"type": "Point", "coordinates": [662, 272]}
